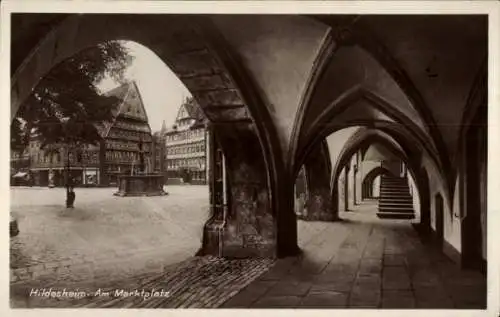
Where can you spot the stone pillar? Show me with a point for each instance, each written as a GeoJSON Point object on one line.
{"type": "Point", "coordinates": [359, 179]}
{"type": "Point", "coordinates": [318, 204]}
{"type": "Point", "coordinates": [300, 193]}
{"type": "Point", "coordinates": [214, 228]}
{"type": "Point", "coordinates": [354, 183]}
{"type": "Point", "coordinates": [247, 227]}
{"type": "Point", "coordinates": [346, 186]}
{"type": "Point", "coordinates": [286, 220]}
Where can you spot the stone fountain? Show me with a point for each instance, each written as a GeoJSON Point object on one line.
{"type": "Point", "coordinates": [142, 183]}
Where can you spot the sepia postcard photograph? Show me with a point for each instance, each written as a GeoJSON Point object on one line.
{"type": "Point", "coordinates": [311, 157]}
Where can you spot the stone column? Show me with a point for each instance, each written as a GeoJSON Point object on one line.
{"type": "Point", "coordinates": [247, 227]}
{"type": "Point", "coordinates": [346, 187]}
{"type": "Point", "coordinates": [359, 179]}
{"type": "Point", "coordinates": [318, 205]}
{"type": "Point", "coordinates": [214, 228]}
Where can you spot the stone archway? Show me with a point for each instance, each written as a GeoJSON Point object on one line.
{"type": "Point", "coordinates": [195, 52]}
{"type": "Point", "coordinates": [367, 184]}
{"type": "Point", "coordinates": [353, 145]}
{"type": "Point", "coordinates": [317, 173]}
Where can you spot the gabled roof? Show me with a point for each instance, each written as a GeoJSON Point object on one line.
{"type": "Point", "coordinates": [131, 106]}
{"type": "Point", "coordinates": [190, 109]}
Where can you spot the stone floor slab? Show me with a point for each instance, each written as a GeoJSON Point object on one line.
{"type": "Point", "coordinates": [277, 302]}
{"type": "Point", "coordinates": [362, 262]}
{"type": "Point", "coordinates": [398, 299]}
{"type": "Point", "coordinates": [395, 278]}
{"type": "Point", "coordinates": [286, 288]}
{"type": "Point", "coordinates": [327, 299]}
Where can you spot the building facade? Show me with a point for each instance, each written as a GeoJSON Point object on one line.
{"type": "Point", "coordinates": [94, 165]}
{"type": "Point", "coordinates": [158, 152]}
{"type": "Point", "coordinates": [186, 145]}
{"type": "Point", "coordinates": [124, 137]}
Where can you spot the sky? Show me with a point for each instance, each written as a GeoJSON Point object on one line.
{"type": "Point", "coordinates": [161, 91]}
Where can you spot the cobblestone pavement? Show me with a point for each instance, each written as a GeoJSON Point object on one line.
{"type": "Point", "coordinates": [364, 262]}
{"type": "Point", "coordinates": [103, 234]}
{"type": "Point", "coordinates": [196, 282]}
{"type": "Point", "coordinates": [361, 262]}
{"type": "Point", "coordinates": [200, 282]}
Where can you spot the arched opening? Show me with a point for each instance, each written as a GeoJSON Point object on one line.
{"type": "Point", "coordinates": [371, 183]}
{"type": "Point", "coordinates": [376, 187]}
{"type": "Point", "coordinates": [363, 140]}
{"type": "Point", "coordinates": [301, 192]}
{"type": "Point", "coordinates": [173, 136]}
{"type": "Point", "coordinates": [241, 218]}
{"type": "Point", "coordinates": [313, 199]}
{"type": "Point", "coordinates": [415, 195]}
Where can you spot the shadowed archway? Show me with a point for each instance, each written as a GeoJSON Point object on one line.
{"type": "Point", "coordinates": [198, 55]}
{"type": "Point", "coordinates": [367, 184]}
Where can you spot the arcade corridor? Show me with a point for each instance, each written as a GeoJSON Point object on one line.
{"type": "Point", "coordinates": [360, 262]}
{"type": "Point", "coordinates": [365, 262]}
{"type": "Point", "coordinates": [343, 101]}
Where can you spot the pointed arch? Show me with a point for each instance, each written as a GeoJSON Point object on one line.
{"type": "Point", "coordinates": [402, 128]}
{"type": "Point", "coordinates": [356, 142]}
{"type": "Point", "coordinates": [194, 50]}
{"type": "Point", "coordinates": [351, 31]}
{"type": "Point", "coordinates": [367, 183]}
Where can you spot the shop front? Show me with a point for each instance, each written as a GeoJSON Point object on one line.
{"type": "Point", "coordinates": [91, 177]}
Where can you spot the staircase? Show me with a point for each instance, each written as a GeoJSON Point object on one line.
{"type": "Point", "coordinates": [395, 201]}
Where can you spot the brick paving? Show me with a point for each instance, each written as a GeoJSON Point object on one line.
{"type": "Point", "coordinates": [103, 229]}
{"type": "Point", "coordinates": [364, 262]}
{"type": "Point", "coordinates": [361, 262]}
{"type": "Point", "coordinates": [199, 282]}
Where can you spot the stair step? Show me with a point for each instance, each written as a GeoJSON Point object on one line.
{"type": "Point", "coordinates": [387, 190]}
{"type": "Point", "coordinates": [391, 215]}
{"type": "Point", "coordinates": [395, 194]}
{"type": "Point", "coordinates": [397, 205]}
{"type": "Point", "coordinates": [393, 183]}
{"type": "Point", "coordinates": [396, 202]}
{"type": "Point", "coordinates": [409, 206]}
{"type": "Point", "coordinates": [397, 197]}
{"type": "Point", "coordinates": [397, 210]}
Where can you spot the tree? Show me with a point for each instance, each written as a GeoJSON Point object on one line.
{"type": "Point", "coordinates": [66, 105]}
{"type": "Point", "coordinates": [66, 108]}
{"type": "Point", "coordinates": [17, 142]}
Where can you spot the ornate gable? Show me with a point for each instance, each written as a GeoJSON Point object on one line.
{"type": "Point", "coordinates": [132, 105]}
{"type": "Point", "coordinates": [183, 113]}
